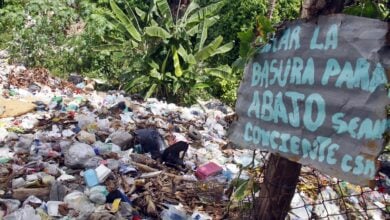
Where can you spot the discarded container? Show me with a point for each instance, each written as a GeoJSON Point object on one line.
{"type": "Point", "coordinates": [209, 169]}
{"type": "Point", "coordinates": [102, 173]}
{"type": "Point", "coordinates": [52, 208]}
{"type": "Point", "coordinates": [90, 178]}
{"type": "Point", "coordinates": [115, 205]}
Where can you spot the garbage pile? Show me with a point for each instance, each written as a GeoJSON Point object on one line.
{"type": "Point", "coordinates": [70, 152]}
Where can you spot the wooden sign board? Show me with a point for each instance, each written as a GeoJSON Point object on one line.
{"type": "Point", "coordinates": [317, 95]}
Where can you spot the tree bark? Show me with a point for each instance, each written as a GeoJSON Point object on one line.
{"type": "Point", "coordinates": [271, 8]}
{"type": "Point", "coordinates": [314, 8]}
{"type": "Point", "coordinates": [278, 188]}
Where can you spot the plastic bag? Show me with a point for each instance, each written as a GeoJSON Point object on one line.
{"type": "Point", "coordinates": [24, 213]}
{"type": "Point", "coordinates": [77, 154]}
{"type": "Point", "coordinates": [98, 194]}
{"type": "Point", "coordinates": [78, 201]}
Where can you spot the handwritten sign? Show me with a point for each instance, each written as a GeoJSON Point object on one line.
{"type": "Point", "coordinates": [317, 95]}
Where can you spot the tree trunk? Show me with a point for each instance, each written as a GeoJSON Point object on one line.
{"type": "Point", "coordinates": [278, 188]}
{"type": "Point", "coordinates": [271, 8]}
{"type": "Point", "coordinates": [178, 7]}
{"type": "Point", "coordinates": [314, 8]}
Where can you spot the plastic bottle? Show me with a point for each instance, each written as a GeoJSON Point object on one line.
{"type": "Point", "coordinates": [103, 148]}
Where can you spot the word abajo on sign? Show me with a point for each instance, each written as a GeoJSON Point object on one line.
{"type": "Point", "coordinates": [272, 108]}
{"type": "Point", "coordinates": [268, 107]}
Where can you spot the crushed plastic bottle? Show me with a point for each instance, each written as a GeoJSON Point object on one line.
{"type": "Point", "coordinates": [101, 148]}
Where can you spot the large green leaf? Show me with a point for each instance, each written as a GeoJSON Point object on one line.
{"type": "Point", "coordinates": [188, 58]}
{"type": "Point", "coordinates": [157, 32]}
{"type": "Point", "coordinates": [243, 190]}
{"type": "Point", "coordinates": [136, 82]}
{"type": "Point", "coordinates": [151, 90]}
{"type": "Point", "coordinates": [193, 30]}
{"type": "Point", "coordinates": [164, 64]}
{"type": "Point", "coordinates": [176, 86]}
{"type": "Point", "coordinates": [125, 21]}
{"type": "Point", "coordinates": [220, 72]}
{"type": "Point", "coordinates": [155, 74]}
{"type": "Point", "coordinates": [246, 38]}
{"type": "Point", "coordinates": [200, 86]}
{"type": "Point", "coordinates": [203, 36]}
{"type": "Point", "coordinates": [165, 11]}
{"type": "Point", "coordinates": [223, 49]}
{"type": "Point", "coordinates": [209, 50]}
{"type": "Point", "coordinates": [140, 13]}
{"type": "Point", "coordinates": [191, 8]}
{"type": "Point", "coordinates": [176, 64]}
{"type": "Point", "coordinates": [206, 12]}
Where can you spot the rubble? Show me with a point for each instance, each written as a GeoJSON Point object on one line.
{"type": "Point", "coordinates": [93, 155]}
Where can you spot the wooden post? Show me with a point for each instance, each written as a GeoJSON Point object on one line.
{"type": "Point", "coordinates": [278, 188]}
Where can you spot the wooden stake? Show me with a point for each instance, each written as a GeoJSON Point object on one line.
{"type": "Point", "coordinates": [278, 188]}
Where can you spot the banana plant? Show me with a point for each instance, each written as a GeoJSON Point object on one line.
{"type": "Point", "coordinates": [176, 63]}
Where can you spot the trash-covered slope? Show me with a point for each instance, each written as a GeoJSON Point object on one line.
{"type": "Point", "coordinates": [68, 151]}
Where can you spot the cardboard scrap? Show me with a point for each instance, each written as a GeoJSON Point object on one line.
{"type": "Point", "coordinates": [13, 108]}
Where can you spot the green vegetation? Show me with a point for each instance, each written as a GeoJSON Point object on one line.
{"type": "Point", "coordinates": [172, 49]}
{"type": "Point", "coordinates": [147, 46]}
